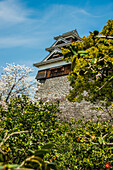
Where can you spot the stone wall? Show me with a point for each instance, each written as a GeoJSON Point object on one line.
{"type": "Point", "coordinates": [57, 88]}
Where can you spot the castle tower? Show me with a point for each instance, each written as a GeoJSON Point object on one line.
{"type": "Point", "coordinates": [52, 74]}
{"type": "Point", "coordinates": [54, 65]}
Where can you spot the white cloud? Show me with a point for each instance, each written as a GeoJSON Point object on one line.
{"type": "Point", "coordinates": [8, 42]}
{"type": "Point", "coordinates": [12, 11]}
{"type": "Point", "coordinates": [20, 26]}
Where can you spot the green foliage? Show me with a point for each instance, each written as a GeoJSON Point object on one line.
{"type": "Point", "coordinates": [26, 126]}
{"type": "Point", "coordinates": [8, 166]}
{"type": "Point", "coordinates": [36, 161]}
{"type": "Point", "coordinates": [91, 77]}
{"type": "Point", "coordinates": [33, 137]}
{"type": "Point", "coordinates": [108, 29]}
{"type": "Point", "coordinates": [86, 145]}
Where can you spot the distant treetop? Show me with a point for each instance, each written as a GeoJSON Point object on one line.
{"type": "Point", "coordinates": [108, 28]}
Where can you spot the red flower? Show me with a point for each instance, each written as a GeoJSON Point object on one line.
{"type": "Point", "coordinates": [107, 165]}
{"type": "Point", "coordinates": [98, 76]}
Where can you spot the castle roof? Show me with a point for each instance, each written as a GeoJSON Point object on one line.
{"type": "Point", "coordinates": [70, 33]}
{"type": "Point", "coordinates": [55, 55]}
{"type": "Point", "coordinates": [48, 62]}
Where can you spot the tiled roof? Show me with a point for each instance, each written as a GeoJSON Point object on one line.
{"type": "Point", "coordinates": [57, 47]}
{"type": "Point", "coordinates": [73, 32]}
{"type": "Point", "coordinates": [48, 61]}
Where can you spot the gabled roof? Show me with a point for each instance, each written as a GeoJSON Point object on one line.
{"type": "Point", "coordinates": [56, 50]}
{"type": "Point", "coordinates": [73, 33]}
{"type": "Point", "coordinates": [48, 61]}
{"type": "Point", "coordinates": [56, 47]}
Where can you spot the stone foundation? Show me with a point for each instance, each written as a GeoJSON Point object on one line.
{"type": "Point", "coordinates": [57, 88]}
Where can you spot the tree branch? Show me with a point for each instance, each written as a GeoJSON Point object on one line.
{"type": "Point", "coordinates": [25, 161]}
{"type": "Point", "coordinates": [4, 153]}
{"type": "Point", "coordinates": [13, 87]}
{"type": "Point", "coordinates": [104, 84]}
{"type": "Point", "coordinates": [14, 133]}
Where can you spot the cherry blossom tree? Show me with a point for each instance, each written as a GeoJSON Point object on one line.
{"type": "Point", "coordinates": [15, 81]}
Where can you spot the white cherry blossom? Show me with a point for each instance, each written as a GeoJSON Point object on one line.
{"type": "Point", "coordinates": [15, 81]}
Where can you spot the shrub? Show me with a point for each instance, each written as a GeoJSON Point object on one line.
{"type": "Point", "coordinates": [78, 144]}
{"type": "Point", "coordinates": [32, 125]}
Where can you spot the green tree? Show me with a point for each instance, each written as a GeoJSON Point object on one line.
{"type": "Point", "coordinates": [31, 136]}
{"type": "Point", "coordinates": [91, 77]}
{"type": "Point", "coordinates": [108, 28]}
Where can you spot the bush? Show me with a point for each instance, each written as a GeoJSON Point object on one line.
{"type": "Point", "coordinates": [27, 127]}
{"type": "Point", "coordinates": [85, 145]}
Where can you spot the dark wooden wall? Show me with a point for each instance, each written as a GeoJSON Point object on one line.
{"type": "Point", "coordinates": [54, 72]}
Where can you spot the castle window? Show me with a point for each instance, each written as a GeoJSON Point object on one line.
{"type": "Point", "coordinates": [60, 42]}
{"type": "Point", "coordinates": [55, 55]}
{"type": "Point", "coordinates": [41, 75]}
{"type": "Point", "coordinates": [71, 39]}
{"type": "Point", "coordinates": [56, 71]}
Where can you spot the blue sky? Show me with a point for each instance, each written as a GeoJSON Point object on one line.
{"type": "Point", "coordinates": [27, 27]}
